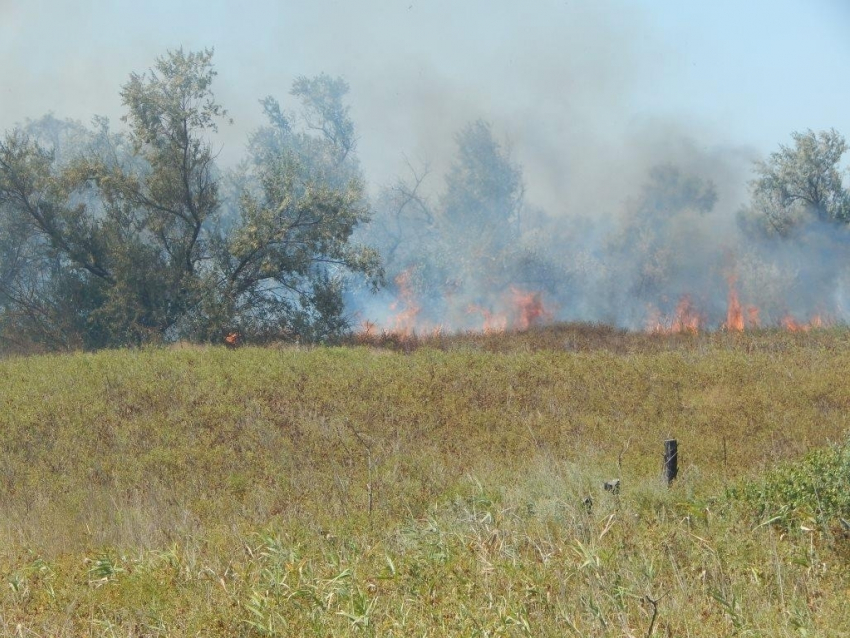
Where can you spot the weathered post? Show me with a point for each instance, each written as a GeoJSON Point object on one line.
{"type": "Point", "coordinates": [671, 460]}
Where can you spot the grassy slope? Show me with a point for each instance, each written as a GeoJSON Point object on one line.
{"type": "Point", "coordinates": [214, 492]}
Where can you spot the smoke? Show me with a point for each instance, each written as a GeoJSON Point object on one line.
{"type": "Point", "coordinates": [598, 240]}
{"type": "Point", "coordinates": [578, 97]}
{"type": "Point", "coordinates": [643, 232]}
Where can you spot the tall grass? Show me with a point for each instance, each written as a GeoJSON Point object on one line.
{"type": "Point", "coordinates": [433, 487]}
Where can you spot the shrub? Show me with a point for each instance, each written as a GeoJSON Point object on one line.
{"type": "Point", "coordinates": [814, 490]}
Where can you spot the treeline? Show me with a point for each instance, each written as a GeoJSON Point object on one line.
{"type": "Point", "coordinates": [115, 238]}
{"type": "Point", "coordinates": [112, 238]}
{"type": "Point", "coordinates": [465, 252]}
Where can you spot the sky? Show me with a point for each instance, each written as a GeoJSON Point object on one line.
{"type": "Point", "coordinates": [572, 87]}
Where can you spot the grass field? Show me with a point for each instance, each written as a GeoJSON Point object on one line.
{"type": "Point", "coordinates": [430, 487]}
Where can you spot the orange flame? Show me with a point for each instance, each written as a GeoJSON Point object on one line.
{"type": "Point", "coordinates": [493, 322]}
{"type": "Point", "coordinates": [734, 312]}
{"type": "Point", "coordinates": [735, 319]}
{"type": "Point", "coordinates": [792, 325]}
{"type": "Point", "coordinates": [404, 321]}
{"type": "Point", "coordinates": [685, 319]}
{"type": "Point", "coordinates": [529, 309]}
{"type": "Point", "coordinates": [753, 317]}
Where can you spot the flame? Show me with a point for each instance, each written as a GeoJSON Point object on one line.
{"type": "Point", "coordinates": [408, 309]}
{"type": "Point", "coordinates": [792, 325]}
{"type": "Point", "coordinates": [528, 309]}
{"type": "Point", "coordinates": [753, 317]}
{"type": "Point", "coordinates": [521, 309]}
{"type": "Point", "coordinates": [735, 319]}
{"type": "Point", "coordinates": [493, 322]}
{"type": "Point", "coordinates": [734, 312]}
{"type": "Point", "coordinates": [232, 339]}
{"type": "Point", "coordinates": [685, 319]}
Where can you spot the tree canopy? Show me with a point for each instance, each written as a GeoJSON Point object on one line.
{"type": "Point", "coordinates": [127, 238]}
{"type": "Point", "coordinates": [799, 184]}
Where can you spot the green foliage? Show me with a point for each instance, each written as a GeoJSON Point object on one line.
{"type": "Point", "coordinates": [127, 239]}
{"type": "Point", "coordinates": [302, 202]}
{"type": "Point", "coordinates": [325, 111]}
{"type": "Point", "coordinates": [104, 568]}
{"type": "Point", "coordinates": [814, 491]}
{"type": "Point", "coordinates": [799, 184]}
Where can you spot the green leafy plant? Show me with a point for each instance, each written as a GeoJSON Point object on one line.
{"type": "Point", "coordinates": [812, 491]}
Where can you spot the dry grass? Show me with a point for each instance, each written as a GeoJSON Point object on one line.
{"type": "Point", "coordinates": [227, 492]}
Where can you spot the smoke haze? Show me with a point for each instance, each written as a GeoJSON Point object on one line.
{"type": "Point", "coordinates": [588, 100]}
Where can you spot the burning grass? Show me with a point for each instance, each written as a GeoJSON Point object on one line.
{"type": "Point", "coordinates": [228, 492]}
{"type": "Point", "coordinates": [518, 310]}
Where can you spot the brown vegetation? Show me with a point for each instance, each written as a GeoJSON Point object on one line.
{"type": "Point", "coordinates": [429, 486]}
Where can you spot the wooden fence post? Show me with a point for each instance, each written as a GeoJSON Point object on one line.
{"type": "Point", "coordinates": [671, 460]}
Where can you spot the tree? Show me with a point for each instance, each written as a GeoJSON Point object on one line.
{"type": "Point", "coordinates": [289, 257]}
{"type": "Point", "coordinates": [321, 135]}
{"type": "Point", "coordinates": [126, 242]}
{"type": "Point", "coordinates": [461, 250]}
{"type": "Point", "coordinates": [49, 253]}
{"type": "Point", "coordinates": [654, 254]}
{"type": "Point", "coordinates": [404, 224]}
{"type": "Point", "coordinates": [471, 223]}
{"type": "Point", "coordinates": [799, 184]}
{"type": "Point", "coordinates": [484, 190]}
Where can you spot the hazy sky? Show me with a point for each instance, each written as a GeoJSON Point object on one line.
{"type": "Point", "coordinates": [551, 76]}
